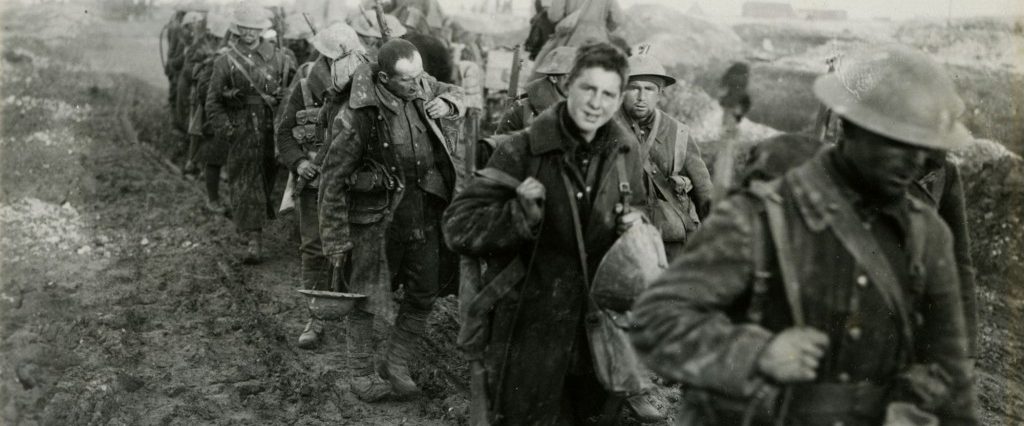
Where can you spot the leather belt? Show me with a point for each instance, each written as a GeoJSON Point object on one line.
{"type": "Point", "coordinates": [819, 398]}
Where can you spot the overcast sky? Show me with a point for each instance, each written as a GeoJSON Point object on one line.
{"type": "Point", "coordinates": [898, 9]}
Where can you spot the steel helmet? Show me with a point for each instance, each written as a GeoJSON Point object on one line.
{"type": "Point", "coordinates": [296, 27]}
{"type": "Point", "coordinates": [251, 15]}
{"type": "Point", "coordinates": [559, 61]}
{"type": "Point", "coordinates": [629, 266]}
{"type": "Point", "coordinates": [217, 24]}
{"type": "Point", "coordinates": [336, 41]}
{"type": "Point", "coordinates": [897, 92]}
{"type": "Point", "coordinates": [365, 24]}
{"type": "Point", "coordinates": [644, 64]}
{"type": "Point", "coordinates": [192, 18]}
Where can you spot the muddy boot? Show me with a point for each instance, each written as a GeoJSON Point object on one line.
{"type": "Point", "coordinates": [311, 334]}
{"type": "Point", "coordinates": [253, 249]}
{"type": "Point", "coordinates": [365, 383]}
{"type": "Point", "coordinates": [643, 410]}
{"type": "Point", "coordinates": [409, 329]}
{"type": "Point", "coordinates": [216, 207]}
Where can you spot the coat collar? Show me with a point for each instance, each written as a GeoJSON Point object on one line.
{"type": "Point", "coordinates": [319, 79]}
{"type": "Point", "coordinates": [545, 132]}
{"type": "Point", "coordinates": [817, 184]}
{"type": "Point", "coordinates": [366, 92]}
{"type": "Point", "coordinates": [264, 49]}
{"type": "Point", "coordinates": [541, 94]}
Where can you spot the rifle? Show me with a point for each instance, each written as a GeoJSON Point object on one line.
{"type": "Point", "coordinates": [517, 66]}
{"type": "Point", "coordinates": [279, 17]}
{"type": "Point", "coordinates": [821, 123]}
{"type": "Point", "coordinates": [385, 32]}
{"type": "Point", "coordinates": [308, 22]}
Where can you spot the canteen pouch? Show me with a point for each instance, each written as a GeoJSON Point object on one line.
{"type": "Point", "coordinates": [616, 363]}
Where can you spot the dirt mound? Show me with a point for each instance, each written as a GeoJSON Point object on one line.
{"type": "Point", "coordinates": [996, 43]}
{"type": "Point", "coordinates": [691, 48]}
{"type": "Point", "coordinates": [62, 20]}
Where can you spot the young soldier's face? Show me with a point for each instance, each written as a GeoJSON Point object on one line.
{"type": "Point", "coordinates": [641, 98]}
{"type": "Point", "coordinates": [592, 99]}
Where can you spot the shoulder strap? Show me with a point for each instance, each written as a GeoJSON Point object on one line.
{"type": "Point", "coordinates": [679, 151]}
{"type": "Point", "coordinates": [307, 96]}
{"type": "Point", "coordinates": [527, 114]}
{"type": "Point", "coordinates": [846, 226]}
{"type": "Point", "coordinates": [778, 233]}
{"type": "Point", "coordinates": [245, 73]}
{"type": "Point", "coordinates": [625, 192]}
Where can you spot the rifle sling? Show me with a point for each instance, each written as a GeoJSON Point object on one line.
{"type": "Point", "coordinates": [864, 248]}
{"type": "Point", "coordinates": [245, 73]}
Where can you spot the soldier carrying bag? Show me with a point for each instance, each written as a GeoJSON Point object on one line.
{"type": "Point", "coordinates": [763, 405]}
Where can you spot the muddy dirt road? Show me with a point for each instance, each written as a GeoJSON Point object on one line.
{"type": "Point", "coordinates": [121, 301]}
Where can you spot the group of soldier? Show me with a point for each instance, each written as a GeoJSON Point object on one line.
{"type": "Point", "coordinates": [824, 288]}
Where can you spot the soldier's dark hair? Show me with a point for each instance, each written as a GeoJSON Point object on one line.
{"type": "Point", "coordinates": [600, 55]}
{"type": "Point", "coordinates": [393, 51]}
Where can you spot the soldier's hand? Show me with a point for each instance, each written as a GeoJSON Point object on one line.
{"type": "Point", "coordinates": [232, 94]}
{"type": "Point", "coordinates": [437, 108]}
{"type": "Point", "coordinates": [307, 170]}
{"type": "Point", "coordinates": [531, 195]}
{"type": "Point", "coordinates": [793, 355]}
{"type": "Point", "coordinates": [682, 184]}
{"type": "Point", "coordinates": [629, 219]}
{"type": "Point", "coordinates": [338, 260]}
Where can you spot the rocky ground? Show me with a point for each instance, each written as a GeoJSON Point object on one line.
{"type": "Point", "coordinates": [121, 301]}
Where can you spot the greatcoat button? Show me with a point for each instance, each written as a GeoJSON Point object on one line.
{"type": "Point", "coordinates": [855, 333]}
{"type": "Point", "coordinates": [579, 195]}
{"type": "Point", "coordinates": [844, 377]}
{"type": "Point", "coordinates": [862, 280]}
{"type": "Point", "coordinates": [385, 145]}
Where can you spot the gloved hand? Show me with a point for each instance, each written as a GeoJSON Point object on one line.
{"type": "Point", "coordinates": [793, 355]}
{"type": "Point", "coordinates": [627, 217]}
{"type": "Point", "coordinates": [307, 170]}
{"type": "Point", "coordinates": [438, 108]}
{"type": "Point", "coordinates": [682, 184]}
{"type": "Point", "coordinates": [232, 98]}
{"type": "Point", "coordinates": [232, 95]}
{"type": "Point", "coordinates": [531, 194]}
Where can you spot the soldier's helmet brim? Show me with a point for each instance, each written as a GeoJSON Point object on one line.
{"type": "Point", "coordinates": [648, 66]}
{"type": "Point", "coordinates": [559, 61]}
{"type": "Point", "coordinates": [336, 40]}
{"type": "Point", "coordinates": [899, 93]}
{"type": "Point", "coordinates": [250, 15]}
{"type": "Point", "coordinates": [365, 24]}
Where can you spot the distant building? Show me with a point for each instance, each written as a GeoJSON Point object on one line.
{"type": "Point", "coordinates": [824, 14]}
{"type": "Point", "coordinates": [768, 10]}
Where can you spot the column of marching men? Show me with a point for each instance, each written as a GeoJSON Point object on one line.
{"type": "Point", "coordinates": [830, 285]}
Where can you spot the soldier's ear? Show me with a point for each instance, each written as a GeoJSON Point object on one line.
{"type": "Point", "coordinates": [383, 77]}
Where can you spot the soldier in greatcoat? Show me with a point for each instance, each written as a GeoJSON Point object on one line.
{"type": "Point", "coordinates": [547, 196]}
{"type": "Point", "coordinates": [246, 86]}
{"type": "Point", "coordinates": [386, 176]}
{"type": "Point", "coordinates": [828, 296]}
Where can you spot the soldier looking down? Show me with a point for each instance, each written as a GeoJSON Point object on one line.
{"type": "Point", "coordinates": [300, 137]}
{"type": "Point", "coordinates": [387, 175]}
{"type": "Point", "coordinates": [828, 296]}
